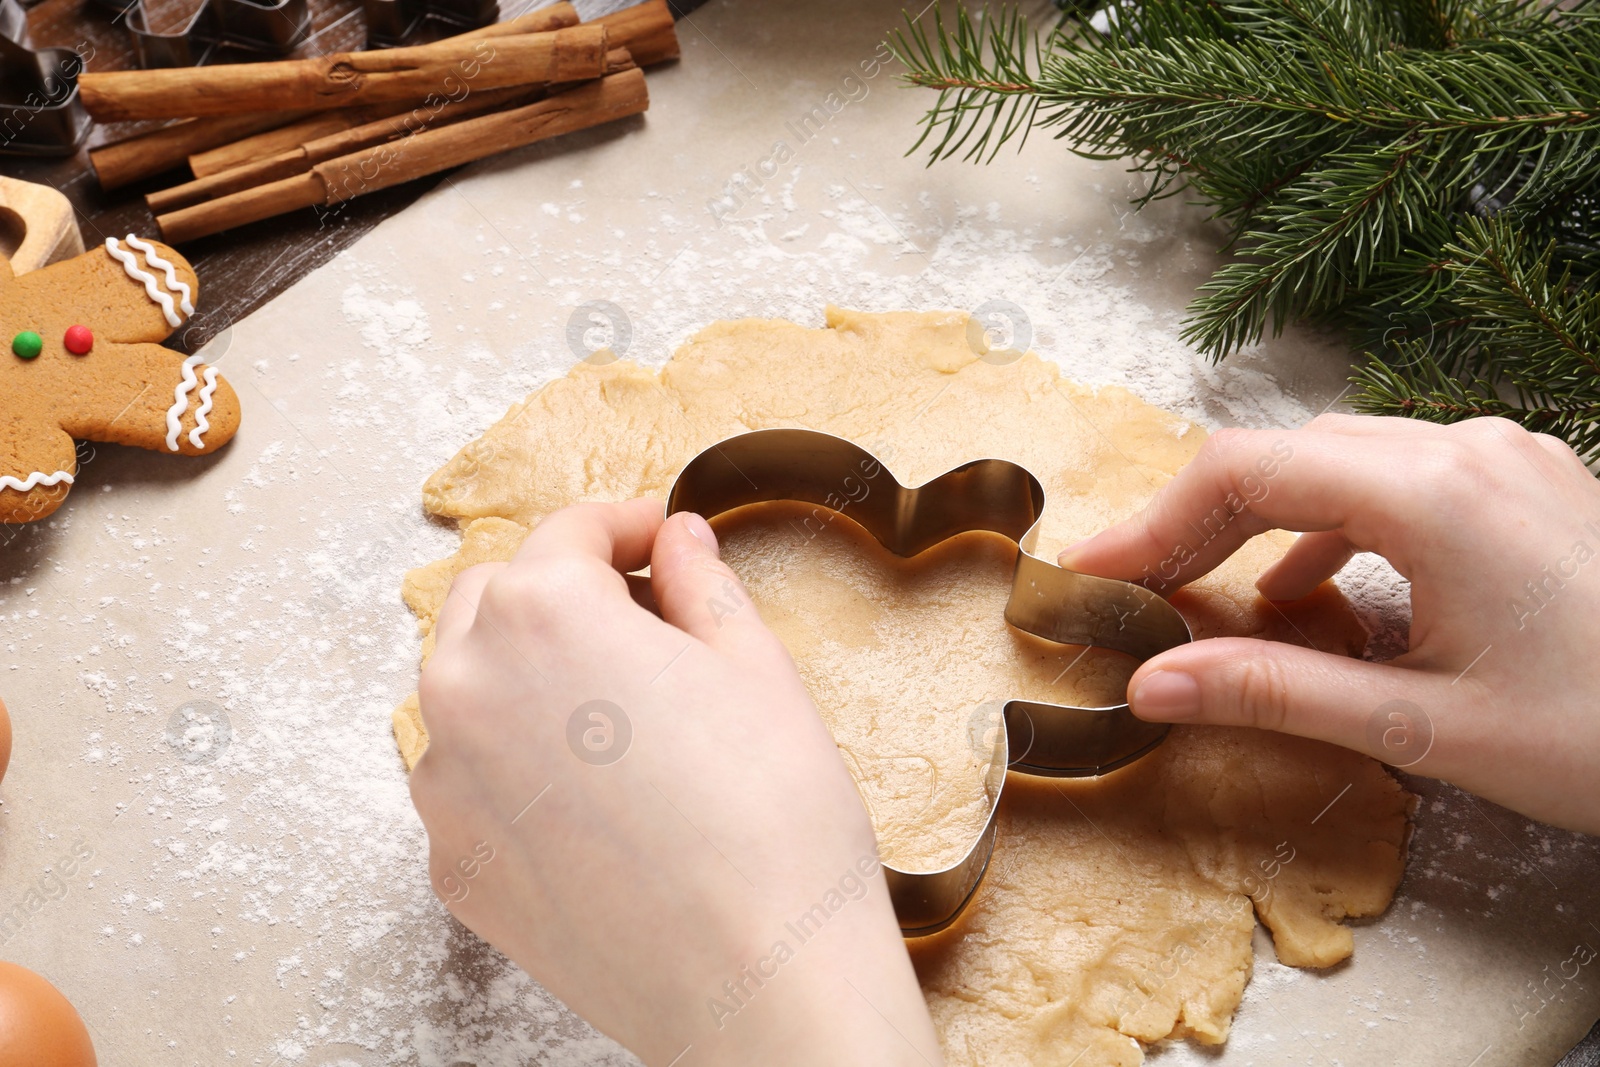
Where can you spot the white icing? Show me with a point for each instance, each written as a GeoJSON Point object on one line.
{"type": "Point", "coordinates": [175, 283]}
{"type": "Point", "coordinates": [181, 402]}
{"type": "Point", "coordinates": [200, 423]}
{"type": "Point", "coordinates": [36, 478]}
{"type": "Point", "coordinates": [152, 284]}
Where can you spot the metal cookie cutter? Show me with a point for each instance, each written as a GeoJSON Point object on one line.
{"type": "Point", "coordinates": [1047, 740]}
{"type": "Point", "coordinates": [40, 113]}
{"type": "Point", "coordinates": [275, 27]}
{"type": "Point", "coordinates": [390, 22]}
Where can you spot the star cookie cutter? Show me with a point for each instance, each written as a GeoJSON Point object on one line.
{"type": "Point", "coordinates": [1032, 737]}
{"type": "Point", "coordinates": [273, 27]}
{"type": "Point", "coordinates": [40, 113]}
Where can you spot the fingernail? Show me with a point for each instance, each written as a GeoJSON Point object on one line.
{"type": "Point", "coordinates": [1269, 588]}
{"type": "Point", "coordinates": [1167, 696]}
{"type": "Point", "coordinates": [1065, 557]}
{"type": "Point", "coordinates": [700, 530]}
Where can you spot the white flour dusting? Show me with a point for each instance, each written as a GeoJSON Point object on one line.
{"type": "Point", "coordinates": [350, 871]}
{"type": "Point", "coordinates": [304, 822]}
{"type": "Point", "coordinates": [849, 253]}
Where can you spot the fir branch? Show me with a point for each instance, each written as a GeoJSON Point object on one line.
{"type": "Point", "coordinates": [1315, 243]}
{"type": "Point", "coordinates": [1424, 392]}
{"type": "Point", "coordinates": [1536, 329]}
{"type": "Point", "coordinates": [1423, 170]}
{"type": "Point", "coordinates": [1500, 91]}
{"type": "Point", "coordinates": [1523, 324]}
{"type": "Point", "coordinates": [974, 99]}
{"type": "Point", "coordinates": [1421, 391]}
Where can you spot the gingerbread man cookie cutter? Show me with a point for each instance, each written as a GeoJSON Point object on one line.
{"type": "Point", "coordinates": [1031, 737]}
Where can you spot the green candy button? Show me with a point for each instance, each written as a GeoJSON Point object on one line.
{"type": "Point", "coordinates": [27, 344]}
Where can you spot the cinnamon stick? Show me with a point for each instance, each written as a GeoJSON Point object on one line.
{"type": "Point", "coordinates": [285, 138]}
{"type": "Point", "coordinates": [427, 152]}
{"type": "Point", "coordinates": [160, 150]}
{"type": "Point", "coordinates": [236, 151]}
{"type": "Point", "coordinates": [343, 136]}
{"type": "Point", "coordinates": [652, 48]}
{"type": "Point", "coordinates": [347, 79]}
{"type": "Point", "coordinates": [272, 143]}
{"type": "Point", "coordinates": [646, 30]}
{"type": "Point", "coordinates": [335, 143]}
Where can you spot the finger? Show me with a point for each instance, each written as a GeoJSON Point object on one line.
{"type": "Point", "coordinates": [1311, 560]}
{"type": "Point", "coordinates": [619, 534]}
{"type": "Point", "coordinates": [1236, 681]}
{"type": "Point", "coordinates": [1242, 483]}
{"type": "Point", "coordinates": [643, 595]}
{"type": "Point", "coordinates": [460, 605]}
{"type": "Point", "coordinates": [696, 591]}
{"type": "Point", "coordinates": [1562, 451]}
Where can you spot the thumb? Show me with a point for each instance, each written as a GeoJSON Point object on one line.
{"type": "Point", "coordinates": [1383, 711]}
{"type": "Point", "coordinates": [697, 592]}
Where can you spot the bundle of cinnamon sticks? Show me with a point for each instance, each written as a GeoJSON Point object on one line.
{"type": "Point", "coordinates": [262, 139]}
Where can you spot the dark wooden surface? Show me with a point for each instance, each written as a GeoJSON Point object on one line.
{"type": "Point", "coordinates": [243, 268]}
{"type": "Point", "coordinates": [239, 270]}
{"type": "Point", "coordinates": [1587, 1054]}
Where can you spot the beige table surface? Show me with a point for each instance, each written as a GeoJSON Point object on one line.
{"type": "Point", "coordinates": [270, 906]}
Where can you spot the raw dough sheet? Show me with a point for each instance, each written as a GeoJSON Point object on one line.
{"type": "Point", "coordinates": [1114, 909]}
{"type": "Point", "coordinates": [270, 907]}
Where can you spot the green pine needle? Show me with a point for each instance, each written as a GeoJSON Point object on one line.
{"type": "Point", "coordinates": [1425, 171]}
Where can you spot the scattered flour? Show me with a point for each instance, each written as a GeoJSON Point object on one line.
{"type": "Point", "coordinates": [304, 822]}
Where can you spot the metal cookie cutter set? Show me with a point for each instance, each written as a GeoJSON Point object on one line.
{"type": "Point", "coordinates": [276, 27]}
{"type": "Point", "coordinates": [390, 22]}
{"type": "Point", "coordinates": [40, 113]}
{"type": "Point", "coordinates": [1035, 738]}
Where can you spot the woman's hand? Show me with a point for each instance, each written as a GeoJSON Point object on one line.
{"type": "Point", "coordinates": [647, 814]}
{"type": "Point", "coordinates": [1498, 531]}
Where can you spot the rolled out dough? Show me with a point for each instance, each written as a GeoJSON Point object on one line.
{"type": "Point", "coordinates": [1116, 910]}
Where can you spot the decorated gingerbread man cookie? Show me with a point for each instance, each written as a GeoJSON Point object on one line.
{"type": "Point", "coordinates": [83, 362]}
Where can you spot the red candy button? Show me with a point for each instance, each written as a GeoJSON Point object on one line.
{"type": "Point", "coordinates": [79, 340]}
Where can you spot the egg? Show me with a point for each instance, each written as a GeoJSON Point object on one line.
{"type": "Point", "coordinates": [38, 1026]}
{"type": "Point", "coordinates": [5, 739]}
